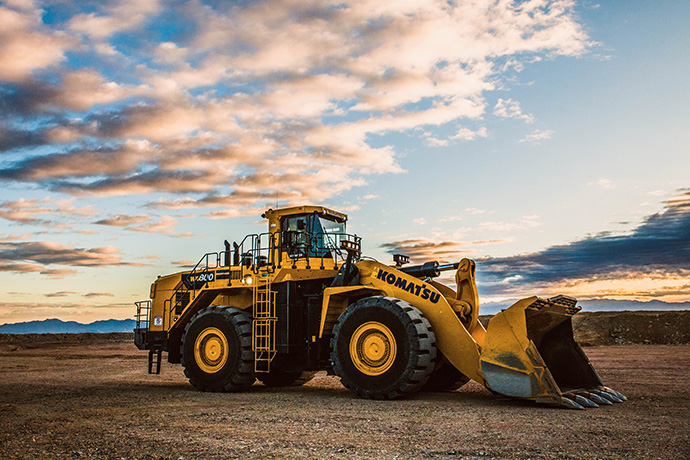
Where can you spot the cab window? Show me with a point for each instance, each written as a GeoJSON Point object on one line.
{"type": "Point", "coordinates": [295, 238]}
{"type": "Point", "coordinates": [312, 235]}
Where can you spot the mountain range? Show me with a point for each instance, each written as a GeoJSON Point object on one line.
{"type": "Point", "coordinates": [491, 308]}
{"type": "Point", "coordinates": [56, 326]}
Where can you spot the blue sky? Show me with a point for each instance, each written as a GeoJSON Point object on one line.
{"type": "Point", "coordinates": [547, 140]}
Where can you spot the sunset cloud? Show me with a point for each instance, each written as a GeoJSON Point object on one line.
{"type": "Point", "coordinates": [117, 16]}
{"type": "Point", "coordinates": [23, 257]}
{"type": "Point", "coordinates": [26, 44]}
{"type": "Point", "coordinates": [294, 93]}
{"type": "Point", "coordinates": [422, 250]}
{"type": "Point", "coordinates": [657, 251]}
{"type": "Point", "coordinates": [60, 294]}
{"type": "Point", "coordinates": [98, 294]}
{"type": "Point", "coordinates": [36, 212]}
{"type": "Point", "coordinates": [123, 220]}
{"type": "Point", "coordinates": [165, 225]}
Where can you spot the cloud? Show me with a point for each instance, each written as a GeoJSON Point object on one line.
{"type": "Point", "coordinates": [537, 136]}
{"type": "Point", "coordinates": [15, 237]}
{"type": "Point", "coordinates": [466, 134]}
{"type": "Point", "coordinates": [26, 44]}
{"type": "Point", "coordinates": [435, 142]}
{"type": "Point", "coordinates": [475, 211]}
{"type": "Point", "coordinates": [142, 223]}
{"type": "Point", "coordinates": [24, 211]}
{"type": "Point", "coordinates": [11, 138]}
{"type": "Point", "coordinates": [657, 249]}
{"type": "Point", "coordinates": [423, 250]}
{"type": "Point", "coordinates": [508, 108]}
{"type": "Point", "coordinates": [60, 294]}
{"type": "Point", "coordinates": [123, 220]}
{"type": "Point", "coordinates": [186, 264]}
{"type": "Point", "coordinates": [143, 183]}
{"type": "Point", "coordinates": [30, 211]}
{"type": "Point", "coordinates": [522, 223]}
{"type": "Point", "coordinates": [78, 90]}
{"type": "Point", "coordinates": [22, 257]}
{"type": "Point", "coordinates": [166, 225]}
{"type": "Point", "coordinates": [604, 183]}
{"type": "Point", "coordinates": [81, 163]}
{"type": "Point", "coordinates": [21, 268]}
{"type": "Point", "coordinates": [118, 16]}
{"type": "Point", "coordinates": [255, 99]}
{"type": "Point", "coordinates": [99, 294]}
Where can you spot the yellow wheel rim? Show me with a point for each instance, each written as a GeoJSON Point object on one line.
{"type": "Point", "coordinates": [211, 350]}
{"type": "Point", "coordinates": [373, 348]}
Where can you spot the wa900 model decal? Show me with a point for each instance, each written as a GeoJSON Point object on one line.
{"type": "Point", "coordinates": [206, 277]}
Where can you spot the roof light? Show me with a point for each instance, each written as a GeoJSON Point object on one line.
{"type": "Point", "coordinates": [401, 259]}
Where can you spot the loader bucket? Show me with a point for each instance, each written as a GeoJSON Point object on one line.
{"type": "Point", "coordinates": [530, 352]}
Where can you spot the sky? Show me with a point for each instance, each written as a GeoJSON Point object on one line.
{"type": "Point", "coordinates": [547, 140]}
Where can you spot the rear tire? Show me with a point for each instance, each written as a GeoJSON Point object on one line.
{"type": "Point", "coordinates": [445, 377]}
{"type": "Point", "coordinates": [216, 350]}
{"type": "Point", "coordinates": [383, 348]}
{"type": "Point", "coordinates": [285, 379]}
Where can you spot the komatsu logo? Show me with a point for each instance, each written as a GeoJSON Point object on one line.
{"type": "Point", "coordinates": [420, 290]}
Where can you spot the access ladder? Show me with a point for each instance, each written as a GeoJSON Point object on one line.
{"type": "Point", "coordinates": [264, 326]}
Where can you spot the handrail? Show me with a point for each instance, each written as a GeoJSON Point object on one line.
{"type": "Point", "coordinates": [255, 256]}
{"type": "Point", "coordinates": [142, 317]}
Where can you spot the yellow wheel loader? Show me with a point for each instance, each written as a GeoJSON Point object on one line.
{"type": "Point", "coordinates": [280, 306]}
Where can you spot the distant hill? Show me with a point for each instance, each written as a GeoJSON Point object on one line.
{"type": "Point", "coordinates": [491, 308]}
{"type": "Point", "coordinates": [56, 326]}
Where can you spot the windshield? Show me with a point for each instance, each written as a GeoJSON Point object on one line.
{"type": "Point", "coordinates": [327, 235]}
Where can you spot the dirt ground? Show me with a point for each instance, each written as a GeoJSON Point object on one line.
{"type": "Point", "coordinates": [93, 399]}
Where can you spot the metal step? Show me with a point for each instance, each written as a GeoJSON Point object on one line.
{"type": "Point", "coordinates": [155, 365]}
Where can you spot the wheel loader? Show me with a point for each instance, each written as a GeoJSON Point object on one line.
{"type": "Point", "coordinates": [282, 305]}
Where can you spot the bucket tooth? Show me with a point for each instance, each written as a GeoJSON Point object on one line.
{"type": "Point", "coordinates": [595, 397]}
{"type": "Point", "coordinates": [620, 395]}
{"type": "Point", "coordinates": [570, 404]}
{"type": "Point", "coordinates": [612, 397]}
{"type": "Point", "coordinates": [606, 395]}
{"type": "Point", "coordinates": [584, 401]}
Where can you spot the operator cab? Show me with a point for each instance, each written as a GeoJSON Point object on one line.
{"type": "Point", "coordinates": [311, 235]}
{"type": "Point", "coordinates": [303, 232]}
{"type": "Point", "coordinates": [308, 232]}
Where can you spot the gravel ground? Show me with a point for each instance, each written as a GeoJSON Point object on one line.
{"type": "Point", "coordinates": [93, 399]}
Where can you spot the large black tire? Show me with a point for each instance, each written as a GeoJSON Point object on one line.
{"type": "Point", "coordinates": [383, 348]}
{"type": "Point", "coordinates": [216, 350]}
{"type": "Point", "coordinates": [445, 377]}
{"type": "Point", "coordinates": [285, 379]}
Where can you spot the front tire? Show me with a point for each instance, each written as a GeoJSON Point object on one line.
{"type": "Point", "coordinates": [216, 350]}
{"type": "Point", "coordinates": [383, 348]}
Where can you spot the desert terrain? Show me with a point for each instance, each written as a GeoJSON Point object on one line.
{"type": "Point", "coordinates": [89, 396]}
